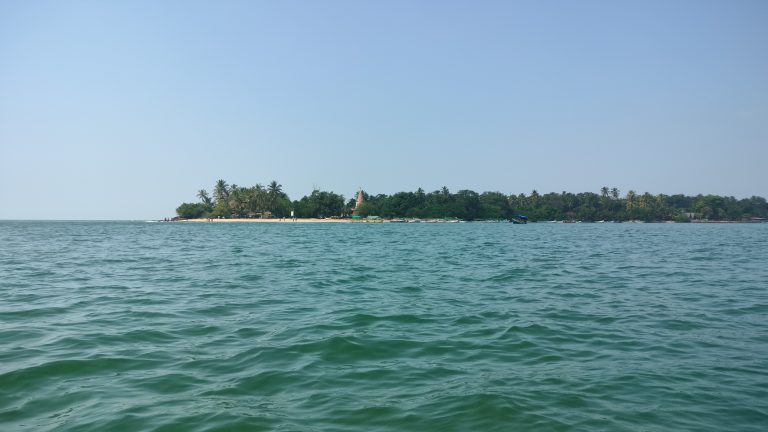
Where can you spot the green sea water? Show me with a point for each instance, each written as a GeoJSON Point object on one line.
{"type": "Point", "coordinates": [132, 326]}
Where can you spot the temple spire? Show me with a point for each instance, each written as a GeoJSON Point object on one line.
{"type": "Point", "coordinates": [358, 203]}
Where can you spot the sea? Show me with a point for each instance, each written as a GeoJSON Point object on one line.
{"type": "Point", "coordinates": [136, 326]}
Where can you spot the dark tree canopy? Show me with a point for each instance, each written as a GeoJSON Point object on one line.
{"type": "Point", "coordinates": [232, 201]}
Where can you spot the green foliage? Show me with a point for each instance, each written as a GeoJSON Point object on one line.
{"type": "Point", "coordinates": [233, 201]}
{"type": "Point", "coordinates": [192, 210]}
{"type": "Point", "coordinates": [319, 204]}
{"type": "Point", "coordinates": [681, 217]}
{"type": "Point", "coordinates": [259, 201]}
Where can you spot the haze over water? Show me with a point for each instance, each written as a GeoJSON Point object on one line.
{"type": "Point", "coordinates": [118, 326]}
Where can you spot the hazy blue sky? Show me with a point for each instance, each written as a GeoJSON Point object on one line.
{"type": "Point", "coordinates": [124, 109]}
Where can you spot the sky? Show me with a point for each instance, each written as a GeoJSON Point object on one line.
{"type": "Point", "coordinates": [124, 110]}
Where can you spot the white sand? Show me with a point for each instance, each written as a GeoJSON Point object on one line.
{"type": "Point", "coordinates": [286, 220]}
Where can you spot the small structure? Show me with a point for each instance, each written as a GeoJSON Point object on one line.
{"type": "Point", "coordinates": [260, 215]}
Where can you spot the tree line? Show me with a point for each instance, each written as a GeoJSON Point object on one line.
{"type": "Point", "coordinates": [233, 201]}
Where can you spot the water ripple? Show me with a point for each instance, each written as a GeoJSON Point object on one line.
{"type": "Point", "coordinates": [389, 327]}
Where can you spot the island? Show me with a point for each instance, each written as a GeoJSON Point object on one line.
{"type": "Point", "coordinates": [230, 202]}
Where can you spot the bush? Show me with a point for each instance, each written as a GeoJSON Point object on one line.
{"type": "Point", "coordinates": [191, 210]}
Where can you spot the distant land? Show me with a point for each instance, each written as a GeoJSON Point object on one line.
{"type": "Point", "coordinates": [270, 202]}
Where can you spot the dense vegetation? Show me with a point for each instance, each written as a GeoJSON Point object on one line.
{"type": "Point", "coordinates": [232, 201]}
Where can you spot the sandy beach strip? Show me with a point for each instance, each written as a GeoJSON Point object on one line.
{"type": "Point", "coordinates": [276, 220]}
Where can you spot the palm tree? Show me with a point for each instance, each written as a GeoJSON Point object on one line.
{"type": "Point", "coordinates": [203, 195]}
{"type": "Point", "coordinates": [535, 198]}
{"type": "Point", "coordinates": [420, 198]}
{"type": "Point", "coordinates": [631, 196]}
{"type": "Point", "coordinates": [275, 188]}
{"type": "Point", "coordinates": [235, 199]}
{"type": "Point", "coordinates": [660, 206]}
{"type": "Point", "coordinates": [615, 193]}
{"type": "Point", "coordinates": [568, 200]}
{"type": "Point", "coordinates": [258, 200]}
{"type": "Point", "coordinates": [604, 192]}
{"type": "Point", "coordinates": [221, 191]}
{"type": "Point", "coordinates": [646, 200]}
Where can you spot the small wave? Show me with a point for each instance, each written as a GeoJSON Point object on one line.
{"type": "Point", "coordinates": [54, 370]}
{"type": "Point", "coordinates": [368, 319]}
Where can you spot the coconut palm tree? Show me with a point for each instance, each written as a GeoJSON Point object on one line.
{"type": "Point", "coordinates": [203, 195]}
{"type": "Point", "coordinates": [645, 200]}
{"type": "Point", "coordinates": [535, 198]}
{"type": "Point", "coordinates": [234, 199]}
{"type": "Point", "coordinates": [274, 188]}
{"type": "Point", "coordinates": [258, 202]}
{"type": "Point", "coordinates": [274, 192]}
{"type": "Point", "coordinates": [221, 191]}
{"type": "Point", "coordinates": [631, 196]}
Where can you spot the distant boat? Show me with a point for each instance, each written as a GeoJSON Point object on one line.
{"type": "Point", "coordinates": [519, 219]}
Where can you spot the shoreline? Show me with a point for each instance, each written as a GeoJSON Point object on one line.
{"type": "Point", "coordinates": [311, 220]}
{"type": "Point", "coordinates": [276, 220]}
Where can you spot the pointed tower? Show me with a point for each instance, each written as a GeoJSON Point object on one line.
{"type": "Point", "coordinates": [358, 203]}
